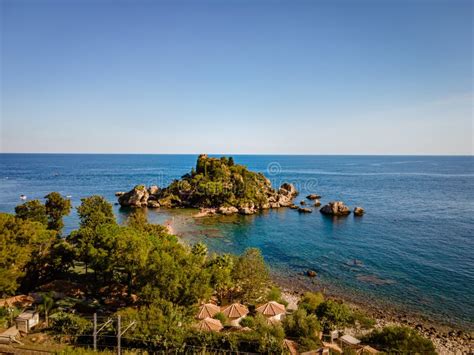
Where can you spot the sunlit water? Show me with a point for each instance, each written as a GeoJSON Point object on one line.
{"type": "Point", "coordinates": [414, 247]}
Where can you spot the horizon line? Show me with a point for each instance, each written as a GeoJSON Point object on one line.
{"type": "Point", "coordinates": [245, 154]}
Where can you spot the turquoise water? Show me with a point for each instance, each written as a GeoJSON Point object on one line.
{"type": "Point", "coordinates": [415, 244]}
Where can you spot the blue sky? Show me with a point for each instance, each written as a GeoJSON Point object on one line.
{"type": "Point", "coordinates": [237, 76]}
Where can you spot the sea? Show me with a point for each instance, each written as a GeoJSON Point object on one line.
{"type": "Point", "coordinates": [413, 248]}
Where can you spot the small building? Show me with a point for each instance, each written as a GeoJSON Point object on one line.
{"type": "Point", "coordinates": [209, 325]}
{"type": "Point", "coordinates": [235, 312]}
{"type": "Point", "coordinates": [207, 310]}
{"type": "Point", "coordinates": [27, 320]}
{"type": "Point", "coordinates": [272, 310]}
{"type": "Point", "coordinates": [348, 341]}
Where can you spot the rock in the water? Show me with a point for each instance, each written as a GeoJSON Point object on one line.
{"type": "Point", "coordinates": [358, 211]}
{"type": "Point", "coordinates": [305, 210]}
{"type": "Point", "coordinates": [154, 190]}
{"type": "Point", "coordinates": [247, 210]}
{"type": "Point", "coordinates": [137, 197]}
{"type": "Point", "coordinates": [294, 207]}
{"type": "Point", "coordinates": [286, 194]}
{"type": "Point", "coordinates": [119, 193]}
{"type": "Point", "coordinates": [302, 203]}
{"type": "Point", "coordinates": [227, 210]}
{"type": "Point", "coordinates": [153, 204]}
{"type": "Point", "coordinates": [313, 197]}
{"type": "Point", "coordinates": [317, 203]}
{"type": "Point", "coordinates": [335, 208]}
{"type": "Point", "coordinates": [311, 273]}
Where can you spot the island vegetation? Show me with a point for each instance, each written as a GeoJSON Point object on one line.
{"type": "Point", "coordinates": [143, 274]}
{"type": "Point", "coordinates": [216, 184]}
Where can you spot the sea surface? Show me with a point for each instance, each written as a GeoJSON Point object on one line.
{"type": "Point", "coordinates": [414, 247]}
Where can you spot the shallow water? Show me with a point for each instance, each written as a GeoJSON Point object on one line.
{"type": "Point", "coordinates": [413, 247]}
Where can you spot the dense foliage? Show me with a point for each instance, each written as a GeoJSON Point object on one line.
{"type": "Point", "coordinates": [142, 273]}
{"type": "Point", "coordinates": [394, 339]}
{"type": "Point", "coordinates": [218, 182]}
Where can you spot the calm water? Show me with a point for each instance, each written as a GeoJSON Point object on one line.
{"type": "Point", "coordinates": [415, 243]}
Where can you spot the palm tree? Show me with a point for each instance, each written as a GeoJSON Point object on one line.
{"type": "Point", "coordinates": [46, 306]}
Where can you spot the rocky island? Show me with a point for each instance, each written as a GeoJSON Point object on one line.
{"type": "Point", "coordinates": [216, 185]}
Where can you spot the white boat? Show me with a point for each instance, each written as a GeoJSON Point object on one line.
{"type": "Point", "coordinates": [23, 197]}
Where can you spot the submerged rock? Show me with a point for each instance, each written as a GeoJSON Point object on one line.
{"type": "Point", "coordinates": [311, 273]}
{"type": "Point", "coordinates": [137, 197]}
{"type": "Point", "coordinates": [317, 203]}
{"type": "Point", "coordinates": [313, 197]}
{"type": "Point", "coordinates": [358, 211]}
{"type": "Point", "coordinates": [227, 210]}
{"type": "Point", "coordinates": [302, 203]}
{"type": "Point", "coordinates": [153, 204]}
{"type": "Point", "coordinates": [305, 210]}
{"type": "Point", "coordinates": [335, 208]}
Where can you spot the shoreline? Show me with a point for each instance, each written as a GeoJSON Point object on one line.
{"type": "Point", "coordinates": [447, 339]}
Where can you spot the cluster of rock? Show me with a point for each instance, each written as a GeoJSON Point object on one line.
{"type": "Point", "coordinates": [152, 197]}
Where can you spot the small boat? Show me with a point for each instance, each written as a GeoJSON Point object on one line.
{"type": "Point", "coordinates": [23, 197]}
{"type": "Point", "coordinates": [68, 196]}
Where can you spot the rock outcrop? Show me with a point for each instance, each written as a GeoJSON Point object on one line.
{"type": "Point", "coordinates": [358, 211]}
{"type": "Point", "coordinates": [335, 208]}
{"type": "Point", "coordinates": [218, 184]}
{"type": "Point", "coordinates": [137, 197]}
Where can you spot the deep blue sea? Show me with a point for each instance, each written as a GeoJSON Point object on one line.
{"type": "Point", "coordinates": [414, 247]}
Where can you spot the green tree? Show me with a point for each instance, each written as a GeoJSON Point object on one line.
{"type": "Point", "coordinates": [95, 211]}
{"type": "Point", "coordinates": [220, 268]}
{"type": "Point", "coordinates": [251, 276]}
{"type": "Point", "coordinates": [302, 325]}
{"type": "Point", "coordinates": [92, 247]}
{"type": "Point", "coordinates": [24, 247]}
{"type": "Point", "coordinates": [395, 339]}
{"type": "Point", "coordinates": [138, 220]}
{"type": "Point", "coordinates": [310, 301]}
{"type": "Point", "coordinates": [334, 314]}
{"type": "Point", "coordinates": [65, 323]}
{"type": "Point", "coordinates": [199, 250]}
{"type": "Point", "coordinates": [56, 208]}
{"type": "Point", "coordinates": [32, 210]}
{"type": "Point", "coordinates": [47, 304]}
{"type": "Point", "coordinates": [174, 274]}
{"type": "Point", "coordinates": [160, 323]}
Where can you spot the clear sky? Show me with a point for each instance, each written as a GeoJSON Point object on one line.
{"type": "Point", "coordinates": [237, 76]}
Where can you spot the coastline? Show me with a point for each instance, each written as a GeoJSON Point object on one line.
{"type": "Point", "coordinates": [447, 339]}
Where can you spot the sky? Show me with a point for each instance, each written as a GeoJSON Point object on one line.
{"type": "Point", "coordinates": [237, 76]}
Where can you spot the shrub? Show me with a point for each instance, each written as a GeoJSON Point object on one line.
{"type": "Point", "coordinates": [399, 339]}
{"type": "Point", "coordinates": [248, 322]}
{"type": "Point", "coordinates": [63, 323]}
{"type": "Point", "coordinates": [311, 301]}
{"type": "Point", "coordinates": [221, 316]}
{"type": "Point", "coordinates": [333, 314]}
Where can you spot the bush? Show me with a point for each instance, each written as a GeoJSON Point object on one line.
{"type": "Point", "coordinates": [63, 323]}
{"type": "Point", "coordinates": [311, 301]}
{"type": "Point", "coordinates": [248, 322]}
{"type": "Point", "coordinates": [399, 339]}
{"type": "Point", "coordinates": [364, 321]}
{"type": "Point", "coordinates": [333, 314]}
{"type": "Point", "coordinates": [221, 316]}
{"type": "Point", "coordinates": [303, 326]}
